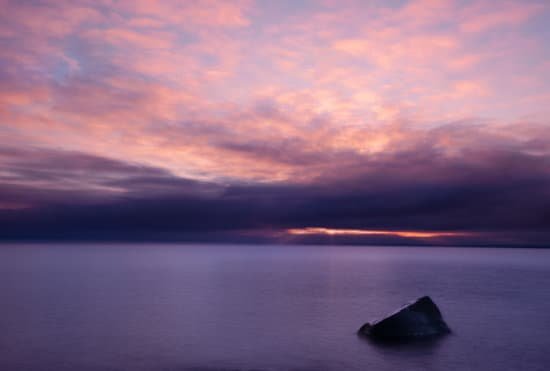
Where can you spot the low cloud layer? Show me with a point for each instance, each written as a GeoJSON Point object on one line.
{"type": "Point", "coordinates": [486, 196]}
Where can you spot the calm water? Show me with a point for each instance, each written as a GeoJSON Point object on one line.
{"type": "Point", "coordinates": [183, 307]}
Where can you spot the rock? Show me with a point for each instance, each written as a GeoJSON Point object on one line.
{"type": "Point", "coordinates": [416, 320]}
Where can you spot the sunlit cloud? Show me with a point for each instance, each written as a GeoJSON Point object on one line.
{"type": "Point", "coordinates": [367, 232]}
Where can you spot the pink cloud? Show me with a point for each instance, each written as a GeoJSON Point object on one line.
{"type": "Point", "coordinates": [483, 16]}
{"type": "Point", "coordinates": [207, 90]}
{"type": "Point", "coordinates": [197, 13]}
{"type": "Point", "coordinates": [121, 37]}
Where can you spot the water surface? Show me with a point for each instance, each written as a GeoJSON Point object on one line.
{"type": "Point", "coordinates": [221, 307]}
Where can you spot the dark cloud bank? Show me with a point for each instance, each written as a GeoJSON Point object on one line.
{"type": "Point", "coordinates": [500, 197]}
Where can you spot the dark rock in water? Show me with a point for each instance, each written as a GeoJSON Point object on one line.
{"type": "Point", "coordinates": [417, 320]}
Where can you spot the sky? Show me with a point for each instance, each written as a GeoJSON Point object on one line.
{"type": "Point", "coordinates": [367, 122]}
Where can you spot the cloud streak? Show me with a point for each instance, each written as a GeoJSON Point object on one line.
{"type": "Point", "coordinates": [319, 231]}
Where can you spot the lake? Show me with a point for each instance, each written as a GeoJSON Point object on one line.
{"type": "Point", "coordinates": [95, 307]}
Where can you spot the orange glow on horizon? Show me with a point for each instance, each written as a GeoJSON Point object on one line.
{"type": "Point", "coordinates": [370, 232]}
